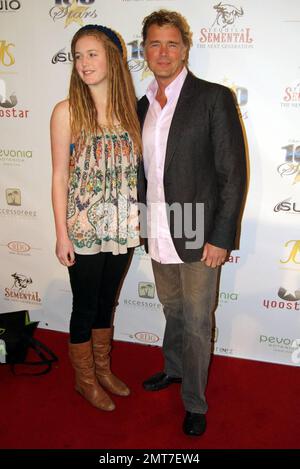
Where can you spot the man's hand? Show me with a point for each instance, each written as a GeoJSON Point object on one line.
{"type": "Point", "coordinates": [213, 256]}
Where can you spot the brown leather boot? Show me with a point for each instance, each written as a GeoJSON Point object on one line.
{"type": "Point", "coordinates": [101, 339]}
{"type": "Point", "coordinates": [81, 356]}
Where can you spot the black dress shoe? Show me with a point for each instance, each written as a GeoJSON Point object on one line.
{"type": "Point", "coordinates": [194, 424]}
{"type": "Point", "coordinates": [160, 381]}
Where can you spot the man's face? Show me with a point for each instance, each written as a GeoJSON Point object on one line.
{"type": "Point", "coordinates": [165, 52]}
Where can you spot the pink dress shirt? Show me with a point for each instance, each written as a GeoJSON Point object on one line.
{"type": "Point", "coordinates": [155, 136]}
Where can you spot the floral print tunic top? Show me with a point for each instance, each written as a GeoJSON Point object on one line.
{"type": "Point", "coordinates": [102, 213]}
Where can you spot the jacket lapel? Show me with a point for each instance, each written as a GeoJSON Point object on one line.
{"type": "Point", "coordinates": [142, 110]}
{"type": "Point", "coordinates": [181, 112]}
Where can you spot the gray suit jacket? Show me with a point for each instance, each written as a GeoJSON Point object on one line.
{"type": "Point", "coordinates": [205, 162]}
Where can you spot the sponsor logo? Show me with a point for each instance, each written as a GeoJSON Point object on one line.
{"type": "Point", "coordinates": [62, 57]}
{"type": "Point", "coordinates": [70, 2]}
{"type": "Point", "coordinates": [9, 6]}
{"type": "Point", "coordinates": [291, 96]}
{"type": "Point", "coordinates": [136, 61]}
{"type": "Point", "coordinates": [7, 104]}
{"type": "Point", "coordinates": [288, 305]}
{"type": "Point", "coordinates": [233, 260]}
{"type": "Point", "coordinates": [73, 11]}
{"type": "Point", "coordinates": [287, 206]}
{"type": "Point", "coordinates": [146, 337]}
{"type": "Point", "coordinates": [225, 30]}
{"type": "Point", "coordinates": [288, 295]}
{"type": "Point", "coordinates": [146, 290]}
{"type": "Point", "coordinates": [241, 95]}
{"type": "Point", "coordinates": [291, 166]}
{"type": "Point", "coordinates": [293, 255]}
{"type": "Point", "coordinates": [14, 199]}
{"type": "Point", "coordinates": [283, 345]}
{"type": "Point", "coordinates": [25, 214]}
{"type": "Point", "coordinates": [21, 290]}
{"type": "Point", "coordinates": [2, 91]}
{"type": "Point", "coordinates": [7, 58]}
{"type": "Point", "coordinates": [270, 340]}
{"type": "Point", "coordinates": [14, 157]}
{"type": "Point", "coordinates": [226, 15]}
{"type": "Point", "coordinates": [142, 304]}
{"type": "Point", "coordinates": [226, 297]}
{"type": "Point", "coordinates": [13, 196]}
{"type": "Point", "coordinates": [18, 247]}
{"type": "Point", "coordinates": [15, 113]}
{"type": "Point", "coordinates": [224, 351]}
{"type": "Point", "coordinates": [20, 281]}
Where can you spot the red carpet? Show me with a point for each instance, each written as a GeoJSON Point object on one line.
{"type": "Point", "coordinates": [251, 405]}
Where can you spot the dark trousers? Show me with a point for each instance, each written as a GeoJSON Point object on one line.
{"type": "Point", "coordinates": [95, 280]}
{"type": "Point", "coordinates": [188, 294]}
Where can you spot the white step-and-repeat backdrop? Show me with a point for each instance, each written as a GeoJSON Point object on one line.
{"type": "Point", "coordinates": [251, 46]}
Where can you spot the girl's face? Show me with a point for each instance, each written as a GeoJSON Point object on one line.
{"type": "Point", "coordinates": [90, 60]}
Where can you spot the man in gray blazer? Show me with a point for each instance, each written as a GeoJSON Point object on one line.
{"type": "Point", "coordinates": [193, 162]}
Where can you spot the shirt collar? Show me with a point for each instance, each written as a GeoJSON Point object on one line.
{"type": "Point", "coordinates": [176, 84]}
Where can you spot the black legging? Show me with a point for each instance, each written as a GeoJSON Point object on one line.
{"type": "Point", "coordinates": [95, 282]}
